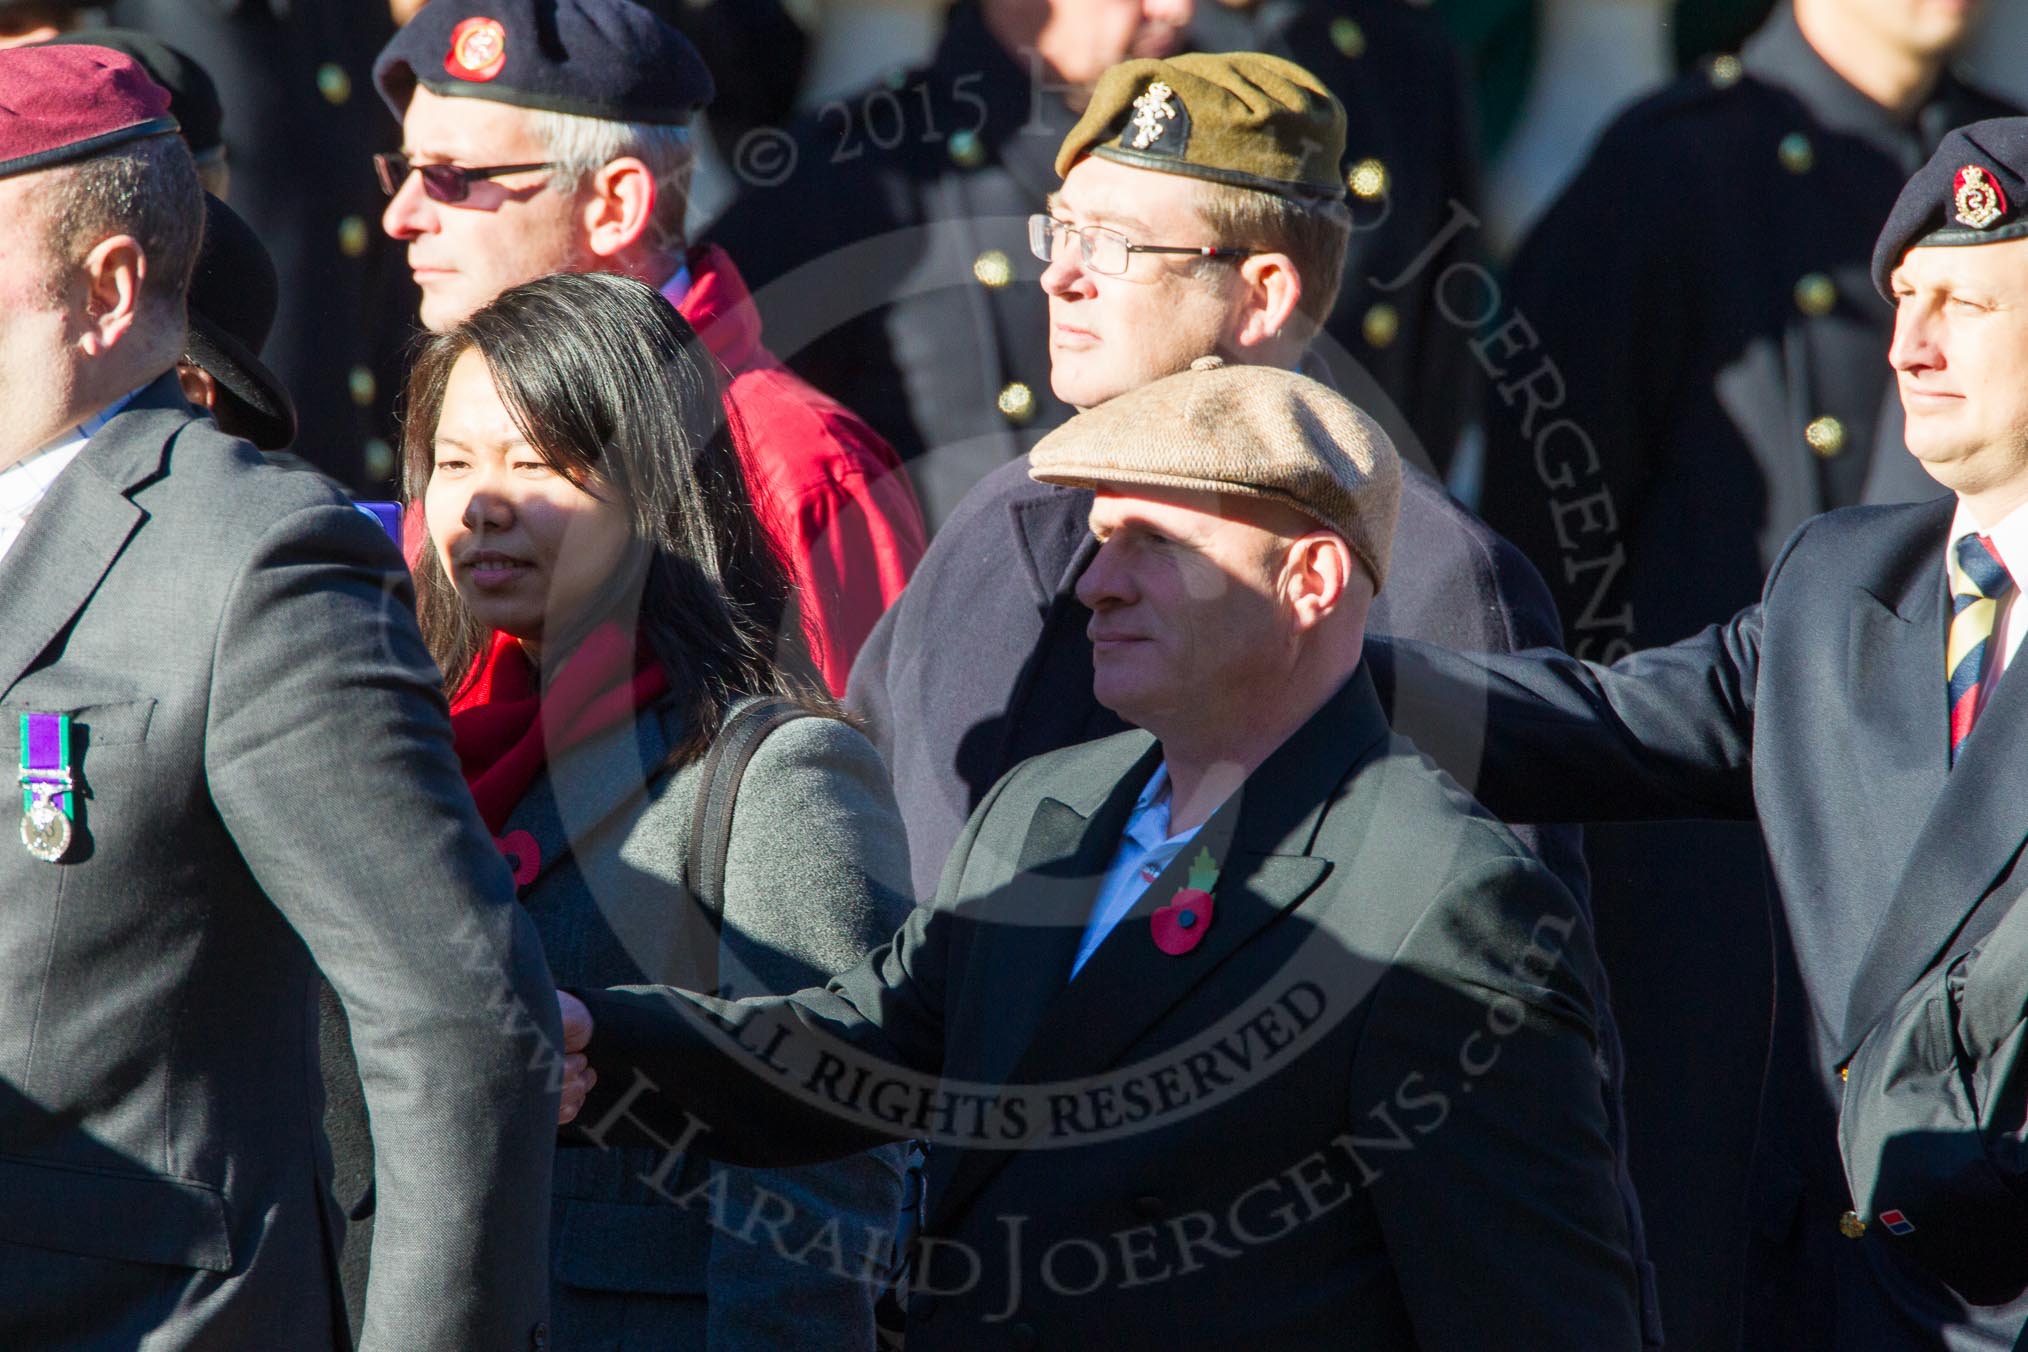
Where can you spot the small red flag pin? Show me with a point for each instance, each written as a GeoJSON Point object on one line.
{"type": "Point", "coordinates": [1179, 926]}
{"type": "Point", "coordinates": [478, 49]}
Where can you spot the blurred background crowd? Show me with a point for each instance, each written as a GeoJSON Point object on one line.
{"type": "Point", "coordinates": [1541, 79]}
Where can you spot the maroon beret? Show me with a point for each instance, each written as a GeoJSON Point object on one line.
{"type": "Point", "coordinates": [59, 104]}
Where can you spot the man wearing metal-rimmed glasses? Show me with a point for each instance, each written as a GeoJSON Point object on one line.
{"type": "Point", "coordinates": [1201, 211]}
{"type": "Point", "coordinates": [555, 137]}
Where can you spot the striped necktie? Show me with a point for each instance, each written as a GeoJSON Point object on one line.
{"type": "Point", "coordinates": [1979, 582]}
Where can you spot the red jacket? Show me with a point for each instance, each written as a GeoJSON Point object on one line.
{"type": "Point", "coordinates": [839, 504]}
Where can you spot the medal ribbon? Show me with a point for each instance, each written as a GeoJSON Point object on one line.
{"type": "Point", "coordinates": [45, 759]}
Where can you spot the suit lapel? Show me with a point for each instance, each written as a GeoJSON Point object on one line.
{"type": "Point", "coordinates": [1974, 819]}
{"type": "Point", "coordinates": [78, 530]}
{"type": "Point", "coordinates": [1034, 922]}
{"type": "Point", "coordinates": [1261, 838]}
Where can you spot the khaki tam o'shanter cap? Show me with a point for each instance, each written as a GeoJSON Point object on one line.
{"type": "Point", "coordinates": [1243, 118]}
{"type": "Point", "coordinates": [1253, 431]}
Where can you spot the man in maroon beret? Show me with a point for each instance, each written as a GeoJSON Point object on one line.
{"type": "Point", "coordinates": [235, 770]}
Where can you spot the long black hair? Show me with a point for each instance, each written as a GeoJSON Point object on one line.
{"type": "Point", "coordinates": [619, 395]}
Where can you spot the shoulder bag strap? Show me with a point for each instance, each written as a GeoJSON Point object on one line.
{"type": "Point", "coordinates": [711, 818]}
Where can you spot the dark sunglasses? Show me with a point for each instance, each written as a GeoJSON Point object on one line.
{"type": "Point", "coordinates": [441, 182]}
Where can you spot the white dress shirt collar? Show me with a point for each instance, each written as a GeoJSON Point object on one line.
{"type": "Point", "coordinates": [26, 482]}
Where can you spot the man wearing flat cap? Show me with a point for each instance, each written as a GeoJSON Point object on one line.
{"type": "Point", "coordinates": [986, 661]}
{"type": "Point", "coordinates": [1864, 713]}
{"type": "Point", "coordinates": [546, 136]}
{"type": "Point", "coordinates": [1248, 1000]}
{"type": "Point", "coordinates": [235, 772]}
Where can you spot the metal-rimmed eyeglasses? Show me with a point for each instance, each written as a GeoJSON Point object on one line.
{"type": "Point", "coordinates": [1108, 252]}
{"type": "Point", "coordinates": [441, 182]}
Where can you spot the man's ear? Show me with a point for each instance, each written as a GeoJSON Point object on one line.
{"type": "Point", "coordinates": [1273, 290]}
{"type": "Point", "coordinates": [1320, 576]}
{"type": "Point", "coordinates": [618, 206]}
{"type": "Point", "coordinates": [200, 387]}
{"type": "Point", "coordinates": [113, 273]}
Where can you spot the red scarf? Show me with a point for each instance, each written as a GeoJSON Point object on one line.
{"type": "Point", "coordinates": [506, 727]}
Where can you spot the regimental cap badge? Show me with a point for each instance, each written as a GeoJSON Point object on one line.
{"type": "Point", "coordinates": [478, 49]}
{"type": "Point", "coordinates": [1159, 125]}
{"type": "Point", "coordinates": [1977, 197]}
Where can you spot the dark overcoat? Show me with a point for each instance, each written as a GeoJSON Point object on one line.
{"type": "Point", "coordinates": [1822, 712]}
{"type": "Point", "coordinates": [1365, 1110]}
{"type": "Point", "coordinates": [984, 662]}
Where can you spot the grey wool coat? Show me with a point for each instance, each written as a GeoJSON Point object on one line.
{"type": "Point", "coordinates": [1364, 1110]}
{"type": "Point", "coordinates": [656, 1250]}
{"type": "Point", "coordinates": [263, 762]}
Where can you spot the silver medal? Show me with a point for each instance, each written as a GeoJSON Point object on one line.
{"type": "Point", "coordinates": [45, 831]}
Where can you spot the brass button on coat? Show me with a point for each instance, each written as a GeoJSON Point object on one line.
{"type": "Point", "coordinates": [993, 269]}
{"type": "Point", "coordinates": [1826, 436]}
{"type": "Point", "coordinates": [1348, 37]}
{"type": "Point", "coordinates": [1850, 1226]}
{"type": "Point", "coordinates": [352, 236]}
{"type": "Point", "coordinates": [1368, 179]}
{"type": "Point", "coordinates": [1726, 72]}
{"type": "Point", "coordinates": [1381, 325]}
{"type": "Point", "coordinates": [1816, 294]}
{"type": "Point", "coordinates": [966, 150]}
{"type": "Point", "coordinates": [333, 83]}
{"type": "Point", "coordinates": [1017, 402]}
{"type": "Point", "coordinates": [1797, 155]}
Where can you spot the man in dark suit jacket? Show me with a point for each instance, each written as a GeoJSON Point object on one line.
{"type": "Point", "coordinates": [1250, 1000]}
{"type": "Point", "coordinates": [1858, 712]}
{"type": "Point", "coordinates": [235, 772]}
{"type": "Point", "coordinates": [984, 661]}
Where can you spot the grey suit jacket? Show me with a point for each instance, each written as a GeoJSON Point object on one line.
{"type": "Point", "coordinates": [1369, 1098]}
{"type": "Point", "coordinates": [267, 789]}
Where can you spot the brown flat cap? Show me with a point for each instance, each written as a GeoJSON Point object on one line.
{"type": "Point", "coordinates": [1243, 118]}
{"type": "Point", "coordinates": [1256, 431]}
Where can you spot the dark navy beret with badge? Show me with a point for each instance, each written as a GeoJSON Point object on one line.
{"type": "Point", "coordinates": [609, 59]}
{"type": "Point", "coordinates": [1974, 190]}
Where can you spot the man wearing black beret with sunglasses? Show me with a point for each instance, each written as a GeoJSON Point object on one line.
{"type": "Point", "coordinates": [545, 136]}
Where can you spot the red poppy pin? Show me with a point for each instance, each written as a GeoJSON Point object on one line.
{"type": "Point", "coordinates": [522, 854]}
{"type": "Point", "coordinates": [1180, 926]}
{"type": "Point", "coordinates": [1976, 195]}
{"type": "Point", "coordinates": [478, 49]}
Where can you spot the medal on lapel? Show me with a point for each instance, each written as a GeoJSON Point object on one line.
{"type": "Point", "coordinates": [1179, 926]}
{"type": "Point", "coordinates": [46, 807]}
